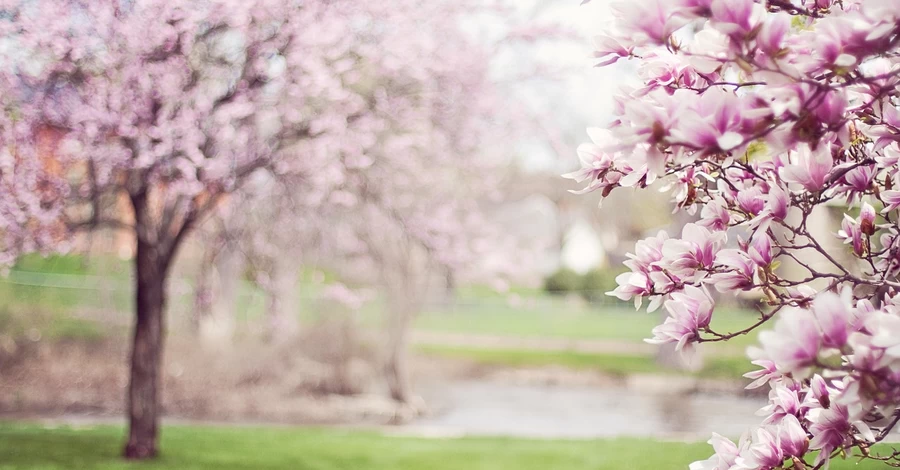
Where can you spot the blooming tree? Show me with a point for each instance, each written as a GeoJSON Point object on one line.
{"type": "Point", "coordinates": [409, 205]}
{"type": "Point", "coordinates": [172, 106]}
{"type": "Point", "coordinates": [759, 115]}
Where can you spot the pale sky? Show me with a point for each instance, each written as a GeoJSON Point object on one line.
{"type": "Point", "coordinates": [584, 98]}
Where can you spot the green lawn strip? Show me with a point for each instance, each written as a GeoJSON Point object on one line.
{"type": "Point", "coordinates": [553, 318]}
{"type": "Point", "coordinates": [25, 446]}
{"type": "Point", "coordinates": [617, 364]}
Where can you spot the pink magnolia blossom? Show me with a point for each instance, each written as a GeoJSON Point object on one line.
{"type": "Point", "coordinates": [726, 452]}
{"type": "Point", "coordinates": [792, 437]}
{"type": "Point", "coordinates": [738, 273]}
{"type": "Point", "coordinates": [696, 250]}
{"type": "Point", "coordinates": [809, 168]}
{"type": "Point", "coordinates": [764, 452]}
{"type": "Point", "coordinates": [762, 119]}
{"type": "Point", "coordinates": [794, 343]}
{"type": "Point", "coordinates": [833, 315]}
{"type": "Point", "coordinates": [760, 249]}
{"type": "Point", "coordinates": [689, 312]}
{"type": "Point", "coordinates": [772, 33]}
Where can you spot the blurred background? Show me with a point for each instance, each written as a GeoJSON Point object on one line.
{"type": "Point", "coordinates": [485, 317]}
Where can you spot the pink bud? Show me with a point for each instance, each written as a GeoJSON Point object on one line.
{"type": "Point", "coordinates": [867, 219]}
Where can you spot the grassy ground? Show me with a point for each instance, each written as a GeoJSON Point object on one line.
{"type": "Point", "coordinates": [730, 367]}
{"type": "Point", "coordinates": [41, 295]}
{"type": "Point", "coordinates": [556, 318]}
{"type": "Point", "coordinates": [187, 448]}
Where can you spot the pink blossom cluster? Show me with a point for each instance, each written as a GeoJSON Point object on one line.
{"type": "Point", "coordinates": [759, 116]}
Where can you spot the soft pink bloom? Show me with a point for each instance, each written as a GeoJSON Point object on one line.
{"type": "Point", "coordinates": [777, 202]}
{"type": "Point", "coordinates": [764, 452]}
{"type": "Point", "coordinates": [647, 252]}
{"type": "Point", "coordinates": [832, 313]}
{"type": "Point", "coordinates": [725, 454]}
{"type": "Point", "coordinates": [750, 200]}
{"type": "Point", "coordinates": [649, 20]}
{"type": "Point", "coordinates": [714, 122]}
{"type": "Point", "coordinates": [595, 162]}
{"type": "Point", "coordinates": [762, 376]}
{"type": "Point", "coordinates": [760, 248]}
{"type": "Point", "coordinates": [809, 168]}
{"type": "Point", "coordinates": [771, 34]}
{"type": "Point", "coordinates": [792, 437]}
{"type": "Point", "coordinates": [696, 249]}
{"type": "Point", "coordinates": [830, 428]}
{"type": "Point", "coordinates": [891, 200]}
{"type": "Point", "coordinates": [782, 402]}
{"type": "Point", "coordinates": [632, 286]}
{"type": "Point", "coordinates": [852, 234]}
{"type": "Point", "coordinates": [819, 391]}
{"type": "Point", "coordinates": [794, 343]}
{"type": "Point", "coordinates": [735, 271]}
{"type": "Point", "coordinates": [736, 17]}
{"type": "Point", "coordinates": [689, 312]}
{"type": "Point", "coordinates": [609, 50]}
{"type": "Point", "coordinates": [715, 215]}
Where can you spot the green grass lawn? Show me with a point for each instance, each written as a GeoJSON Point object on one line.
{"type": "Point", "coordinates": [731, 367]}
{"type": "Point", "coordinates": [555, 318]}
{"type": "Point", "coordinates": [67, 283]}
{"type": "Point", "coordinates": [32, 447]}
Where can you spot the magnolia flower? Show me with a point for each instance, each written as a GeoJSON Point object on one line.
{"type": "Point", "coordinates": [736, 17]}
{"type": "Point", "coordinates": [649, 21]}
{"type": "Point", "coordinates": [867, 219]}
{"type": "Point", "coordinates": [782, 402]}
{"type": "Point", "coordinates": [595, 162]}
{"type": "Point", "coordinates": [750, 200]}
{"type": "Point", "coordinates": [809, 168]}
{"type": "Point", "coordinates": [723, 459]}
{"type": "Point", "coordinates": [763, 453]}
{"type": "Point", "coordinates": [695, 250]}
{"type": "Point", "coordinates": [689, 312]}
{"type": "Point", "coordinates": [771, 34]}
{"type": "Point", "coordinates": [891, 200]}
{"type": "Point", "coordinates": [832, 313]}
{"type": "Point", "coordinates": [647, 252]}
{"type": "Point", "coordinates": [739, 271]}
{"type": "Point", "coordinates": [610, 50]}
{"type": "Point", "coordinates": [819, 391]}
{"type": "Point", "coordinates": [715, 121]}
{"type": "Point", "coordinates": [762, 376]}
{"type": "Point", "coordinates": [632, 285]}
{"type": "Point", "coordinates": [794, 343]}
{"type": "Point", "coordinates": [852, 234]}
{"type": "Point", "coordinates": [760, 249]}
{"type": "Point", "coordinates": [792, 437]}
{"type": "Point", "coordinates": [832, 428]}
{"type": "Point", "coordinates": [715, 215]}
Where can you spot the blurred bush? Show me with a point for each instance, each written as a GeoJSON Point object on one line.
{"type": "Point", "coordinates": [562, 282]}
{"type": "Point", "coordinates": [597, 282]}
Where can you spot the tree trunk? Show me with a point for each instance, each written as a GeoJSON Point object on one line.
{"type": "Point", "coordinates": [283, 306]}
{"type": "Point", "coordinates": [146, 355]}
{"type": "Point", "coordinates": [396, 372]}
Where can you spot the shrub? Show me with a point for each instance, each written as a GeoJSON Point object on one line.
{"type": "Point", "coordinates": [562, 281]}
{"type": "Point", "coordinates": [597, 282]}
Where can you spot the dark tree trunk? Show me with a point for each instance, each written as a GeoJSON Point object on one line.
{"type": "Point", "coordinates": [146, 356]}
{"type": "Point", "coordinates": [396, 373]}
